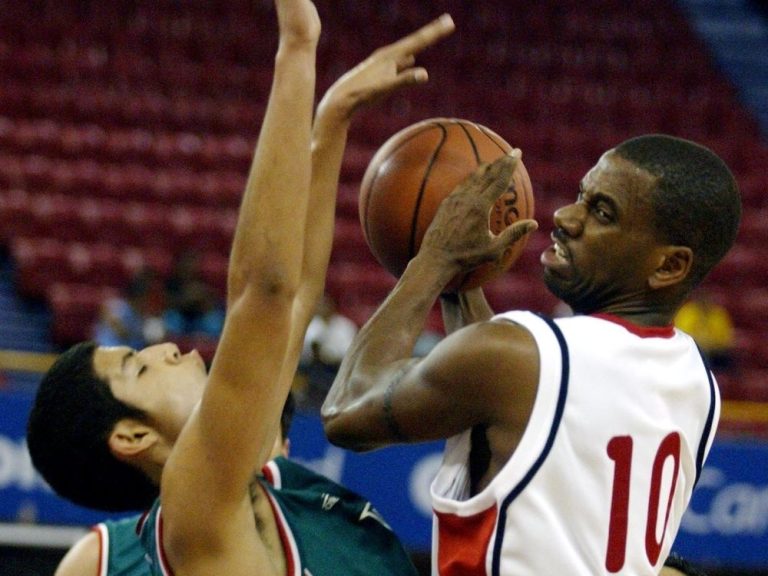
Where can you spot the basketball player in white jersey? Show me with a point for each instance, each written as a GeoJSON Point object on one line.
{"type": "Point", "coordinates": [573, 444]}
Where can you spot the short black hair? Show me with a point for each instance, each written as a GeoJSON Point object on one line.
{"type": "Point", "coordinates": [696, 199]}
{"type": "Point", "coordinates": [678, 563]}
{"type": "Point", "coordinates": [73, 414]}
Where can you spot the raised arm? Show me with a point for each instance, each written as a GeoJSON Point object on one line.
{"type": "Point", "coordinates": [386, 70]}
{"type": "Point", "coordinates": [204, 487]}
{"type": "Point", "coordinates": [461, 309]}
{"type": "Point", "coordinates": [382, 395]}
{"type": "Point", "coordinates": [277, 275]}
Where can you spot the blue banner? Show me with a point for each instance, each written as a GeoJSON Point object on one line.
{"type": "Point", "coordinates": [726, 524]}
{"type": "Point", "coordinates": [24, 496]}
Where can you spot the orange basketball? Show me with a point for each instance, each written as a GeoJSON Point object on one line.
{"type": "Point", "coordinates": [414, 171]}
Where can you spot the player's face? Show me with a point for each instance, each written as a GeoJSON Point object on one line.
{"type": "Point", "coordinates": [159, 380]}
{"type": "Point", "coordinates": [603, 249]}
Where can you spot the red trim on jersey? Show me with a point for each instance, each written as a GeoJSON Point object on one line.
{"type": "Point", "coordinates": [101, 568]}
{"type": "Point", "coordinates": [271, 474]}
{"type": "Point", "coordinates": [636, 329]}
{"type": "Point", "coordinates": [462, 545]}
{"type": "Point", "coordinates": [141, 521]}
{"type": "Point", "coordinates": [290, 551]}
{"type": "Point", "coordinates": [163, 559]}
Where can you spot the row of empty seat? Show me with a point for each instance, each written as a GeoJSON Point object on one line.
{"type": "Point", "coordinates": [126, 132]}
{"type": "Point", "coordinates": [129, 223]}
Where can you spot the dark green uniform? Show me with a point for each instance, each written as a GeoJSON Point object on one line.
{"type": "Point", "coordinates": [120, 550]}
{"type": "Point", "coordinates": [326, 529]}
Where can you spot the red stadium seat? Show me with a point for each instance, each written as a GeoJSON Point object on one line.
{"type": "Point", "coordinates": [347, 202]}
{"type": "Point", "coordinates": [749, 306]}
{"type": "Point", "coordinates": [75, 309]}
{"type": "Point", "coordinates": [97, 264]}
{"type": "Point", "coordinates": [353, 284]}
{"type": "Point", "coordinates": [753, 385]}
{"type": "Point", "coordinates": [15, 215]}
{"type": "Point", "coordinates": [205, 345]}
{"type": "Point", "coordinates": [214, 266]}
{"type": "Point", "coordinates": [150, 154]}
{"type": "Point", "coordinates": [39, 262]}
{"type": "Point", "coordinates": [349, 243]}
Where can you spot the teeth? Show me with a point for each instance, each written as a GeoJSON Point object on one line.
{"type": "Point", "coordinates": [559, 251]}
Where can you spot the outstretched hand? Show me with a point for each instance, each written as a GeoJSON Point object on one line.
{"type": "Point", "coordinates": [386, 69]}
{"type": "Point", "coordinates": [298, 21]}
{"type": "Point", "coordinates": [459, 234]}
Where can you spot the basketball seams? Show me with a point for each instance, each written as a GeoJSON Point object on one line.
{"type": "Point", "coordinates": [495, 138]}
{"type": "Point", "coordinates": [471, 140]}
{"type": "Point", "coordinates": [408, 176]}
{"type": "Point", "coordinates": [371, 186]}
{"type": "Point", "coordinates": [423, 186]}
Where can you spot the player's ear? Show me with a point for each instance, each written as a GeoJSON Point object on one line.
{"type": "Point", "coordinates": [673, 264]}
{"type": "Point", "coordinates": [130, 438]}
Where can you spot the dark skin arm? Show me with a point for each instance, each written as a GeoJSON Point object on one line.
{"type": "Point", "coordinates": [463, 308]}
{"type": "Point", "coordinates": [381, 395]}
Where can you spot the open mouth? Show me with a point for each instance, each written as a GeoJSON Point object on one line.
{"type": "Point", "coordinates": [556, 256]}
{"type": "Point", "coordinates": [561, 252]}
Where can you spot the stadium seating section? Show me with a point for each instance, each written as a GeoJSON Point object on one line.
{"type": "Point", "coordinates": [126, 132]}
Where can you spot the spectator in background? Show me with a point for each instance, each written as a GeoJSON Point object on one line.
{"type": "Point", "coordinates": [427, 340]}
{"type": "Point", "coordinates": [711, 326]}
{"type": "Point", "coordinates": [133, 319]}
{"type": "Point", "coordinates": [327, 339]}
{"type": "Point", "coordinates": [193, 306]}
{"type": "Point", "coordinates": [329, 334]}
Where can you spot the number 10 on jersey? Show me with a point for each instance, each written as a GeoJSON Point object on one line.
{"type": "Point", "coordinates": [620, 451]}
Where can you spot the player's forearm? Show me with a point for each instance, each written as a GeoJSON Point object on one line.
{"type": "Point", "coordinates": [329, 139]}
{"type": "Point", "coordinates": [268, 241]}
{"type": "Point", "coordinates": [389, 336]}
{"type": "Point", "coordinates": [464, 308]}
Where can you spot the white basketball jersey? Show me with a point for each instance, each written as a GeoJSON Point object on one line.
{"type": "Point", "coordinates": [623, 419]}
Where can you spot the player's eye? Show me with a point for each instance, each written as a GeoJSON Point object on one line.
{"type": "Point", "coordinates": [603, 213]}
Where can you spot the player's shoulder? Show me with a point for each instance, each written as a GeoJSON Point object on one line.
{"type": "Point", "coordinates": [481, 339]}
{"type": "Point", "coordinates": [82, 559]}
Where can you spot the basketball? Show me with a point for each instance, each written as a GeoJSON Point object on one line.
{"type": "Point", "coordinates": [410, 175]}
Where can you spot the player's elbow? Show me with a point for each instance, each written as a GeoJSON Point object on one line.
{"type": "Point", "coordinates": [270, 283]}
{"type": "Point", "coordinates": [344, 431]}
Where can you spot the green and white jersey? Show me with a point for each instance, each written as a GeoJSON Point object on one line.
{"type": "Point", "coordinates": [325, 529]}
{"type": "Point", "coordinates": [120, 550]}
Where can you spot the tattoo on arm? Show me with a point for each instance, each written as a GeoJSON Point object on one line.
{"type": "Point", "coordinates": [389, 417]}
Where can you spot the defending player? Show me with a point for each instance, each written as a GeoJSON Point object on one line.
{"type": "Point", "coordinates": [316, 514]}
{"type": "Point", "coordinates": [573, 444]}
{"type": "Point", "coordinates": [111, 424]}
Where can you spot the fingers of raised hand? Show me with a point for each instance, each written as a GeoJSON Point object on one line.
{"type": "Point", "coordinates": [493, 179]}
{"type": "Point", "coordinates": [515, 232]}
{"type": "Point", "coordinates": [424, 36]}
{"type": "Point", "coordinates": [298, 20]}
{"type": "Point", "coordinates": [405, 62]}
